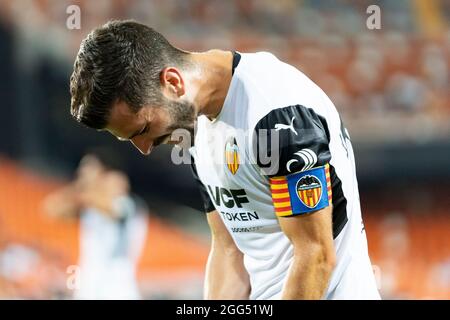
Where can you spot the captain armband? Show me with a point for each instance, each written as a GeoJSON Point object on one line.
{"type": "Point", "coordinates": [301, 192]}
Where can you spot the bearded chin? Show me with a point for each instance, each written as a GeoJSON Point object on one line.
{"type": "Point", "coordinates": [183, 115]}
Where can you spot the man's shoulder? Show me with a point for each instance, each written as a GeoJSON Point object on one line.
{"type": "Point", "coordinates": [255, 57]}
{"type": "Point", "coordinates": [257, 67]}
{"type": "Point", "coordinates": [267, 84]}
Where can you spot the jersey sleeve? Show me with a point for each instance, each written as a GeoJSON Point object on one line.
{"type": "Point", "coordinates": [291, 147]}
{"type": "Point", "coordinates": [207, 203]}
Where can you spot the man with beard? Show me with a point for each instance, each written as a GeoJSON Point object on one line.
{"type": "Point", "coordinates": [273, 160]}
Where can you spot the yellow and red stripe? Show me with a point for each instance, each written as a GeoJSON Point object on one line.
{"type": "Point", "coordinates": [328, 177]}
{"type": "Point", "coordinates": [280, 196]}
{"type": "Point", "coordinates": [311, 196]}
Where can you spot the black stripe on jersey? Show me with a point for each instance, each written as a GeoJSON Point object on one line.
{"type": "Point", "coordinates": [207, 202]}
{"type": "Point", "coordinates": [340, 217]}
{"type": "Point", "coordinates": [236, 59]}
{"type": "Point", "coordinates": [298, 128]}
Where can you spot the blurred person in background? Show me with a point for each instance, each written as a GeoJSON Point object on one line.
{"type": "Point", "coordinates": [113, 228]}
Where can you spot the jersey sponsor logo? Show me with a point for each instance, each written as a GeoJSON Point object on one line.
{"type": "Point", "coordinates": [309, 190]}
{"type": "Point", "coordinates": [250, 229]}
{"type": "Point", "coordinates": [308, 156]}
{"type": "Point", "coordinates": [282, 126]}
{"type": "Point", "coordinates": [232, 155]}
{"type": "Point", "coordinates": [240, 216]}
{"type": "Point", "coordinates": [229, 198]}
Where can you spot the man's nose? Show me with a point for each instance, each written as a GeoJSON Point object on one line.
{"type": "Point", "coordinates": [143, 144]}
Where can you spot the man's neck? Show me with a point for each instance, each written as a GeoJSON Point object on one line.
{"type": "Point", "coordinates": [213, 81]}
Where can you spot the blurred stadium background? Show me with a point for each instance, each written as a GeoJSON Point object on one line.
{"type": "Point", "coordinates": [390, 85]}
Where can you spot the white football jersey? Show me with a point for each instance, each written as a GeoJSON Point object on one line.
{"type": "Point", "coordinates": [109, 252]}
{"type": "Point", "coordinates": [278, 149]}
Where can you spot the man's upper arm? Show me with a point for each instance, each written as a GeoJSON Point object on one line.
{"type": "Point", "coordinates": [299, 173]}
{"type": "Point", "coordinates": [300, 181]}
{"type": "Point", "coordinates": [226, 276]}
{"type": "Point", "coordinates": [220, 234]}
{"type": "Point", "coordinates": [308, 230]}
{"type": "Point", "coordinates": [62, 203]}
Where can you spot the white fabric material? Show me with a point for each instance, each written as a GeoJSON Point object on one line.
{"type": "Point", "coordinates": [109, 253]}
{"type": "Point", "coordinates": [260, 84]}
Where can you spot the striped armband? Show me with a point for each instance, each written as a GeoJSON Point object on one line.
{"type": "Point", "coordinates": [301, 192]}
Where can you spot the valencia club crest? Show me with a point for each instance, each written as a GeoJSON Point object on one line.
{"type": "Point", "coordinates": [309, 190]}
{"type": "Point", "coordinates": [232, 155]}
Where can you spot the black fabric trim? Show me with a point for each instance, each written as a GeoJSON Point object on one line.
{"type": "Point", "coordinates": [236, 60]}
{"type": "Point", "coordinates": [340, 217]}
{"type": "Point", "coordinates": [311, 132]}
{"type": "Point", "coordinates": [207, 202]}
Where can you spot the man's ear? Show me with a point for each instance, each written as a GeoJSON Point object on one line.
{"type": "Point", "coordinates": [172, 82]}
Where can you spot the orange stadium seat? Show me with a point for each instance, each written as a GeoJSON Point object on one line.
{"type": "Point", "coordinates": [22, 221]}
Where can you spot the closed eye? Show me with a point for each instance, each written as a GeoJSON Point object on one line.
{"type": "Point", "coordinates": [141, 132]}
{"type": "Point", "coordinates": [144, 130]}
